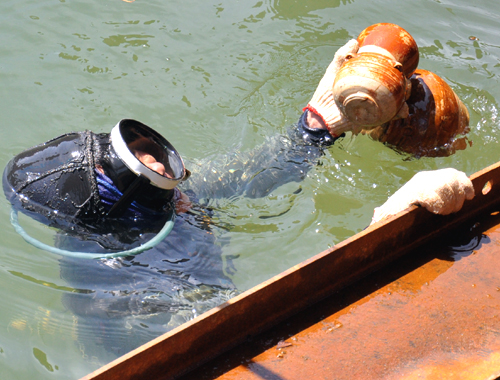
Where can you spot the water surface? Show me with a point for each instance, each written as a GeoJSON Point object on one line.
{"type": "Point", "coordinates": [215, 77]}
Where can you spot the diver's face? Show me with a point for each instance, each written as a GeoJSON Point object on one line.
{"type": "Point", "coordinates": [149, 161]}
{"type": "Point", "coordinates": [148, 153]}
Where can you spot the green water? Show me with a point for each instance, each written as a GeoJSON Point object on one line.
{"type": "Point", "coordinates": [214, 77]}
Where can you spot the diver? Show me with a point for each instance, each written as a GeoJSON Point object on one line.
{"type": "Point", "coordinates": [107, 194]}
{"type": "Point", "coordinates": [110, 193]}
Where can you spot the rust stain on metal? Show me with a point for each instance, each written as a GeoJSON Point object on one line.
{"type": "Point", "coordinates": [439, 321]}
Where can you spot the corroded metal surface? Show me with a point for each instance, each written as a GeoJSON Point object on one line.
{"type": "Point", "coordinates": [439, 319]}
{"type": "Point", "coordinates": [264, 306]}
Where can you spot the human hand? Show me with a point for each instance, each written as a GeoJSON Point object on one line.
{"type": "Point", "coordinates": [323, 104]}
{"type": "Point", "coordinates": [439, 191]}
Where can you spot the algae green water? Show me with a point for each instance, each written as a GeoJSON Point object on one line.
{"type": "Point", "coordinates": [215, 77]}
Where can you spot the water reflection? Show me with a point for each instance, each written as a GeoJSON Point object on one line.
{"type": "Point", "coordinates": [282, 9]}
{"type": "Point", "coordinates": [128, 40]}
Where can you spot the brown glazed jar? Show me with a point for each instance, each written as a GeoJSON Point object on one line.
{"type": "Point", "coordinates": [436, 124]}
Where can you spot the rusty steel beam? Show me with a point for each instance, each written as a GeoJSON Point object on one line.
{"type": "Point", "coordinates": [432, 314]}
{"type": "Point", "coordinates": [196, 342]}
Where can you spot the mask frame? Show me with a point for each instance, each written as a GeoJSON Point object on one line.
{"type": "Point", "coordinates": [128, 132]}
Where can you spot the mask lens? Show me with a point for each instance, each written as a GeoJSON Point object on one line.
{"type": "Point", "coordinates": [149, 154]}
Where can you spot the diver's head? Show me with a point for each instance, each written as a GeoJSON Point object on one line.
{"type": "Point", "coordinates": [84, 177]}
{"type": "Point", "coordinates": [106, 189]}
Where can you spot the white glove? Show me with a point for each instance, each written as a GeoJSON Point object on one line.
{"type": "Point", "coordinates": [439, 191]}
{"type": "Point", "coordinates": [322, 103]}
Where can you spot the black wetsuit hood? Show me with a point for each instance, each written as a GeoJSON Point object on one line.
{"type": "Point", "coordinates": [56, 182]}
